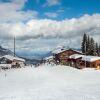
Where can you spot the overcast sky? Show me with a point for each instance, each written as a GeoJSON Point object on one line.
{"type": "Point", "coordinates": [42, 25]}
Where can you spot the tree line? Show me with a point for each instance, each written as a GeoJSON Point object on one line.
{"type": "Point", "coordinates": [89, 46]}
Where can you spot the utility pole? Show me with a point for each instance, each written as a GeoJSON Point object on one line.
{"type": "Point", "coordinates": [14, 47]}
{"type": "Point", "coordinates": [85, 54]}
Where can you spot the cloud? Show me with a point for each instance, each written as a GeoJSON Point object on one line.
{"type": "Point", "coordinates": [60, 10]}
{"type": "Point", "coordinates": [12, 11]}
{"type": "Point", "coordinates": [32, 47]}
{"type": "Point", "coordinates": [51, 3]}
{"type": "Point", "coordinates": [69, 30]}
{"type": "Point", "coordinates": [63, 9]}
{"type": "Point", "coordinates": [47, 28]}
{"type": "Point", "coordinates": [51, 15]}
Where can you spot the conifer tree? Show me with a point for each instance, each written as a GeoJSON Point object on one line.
{"type": "Point", "coordinates": [84, 42]}
{"type": "Point", "coordinates": [92, 47]}
{"type": "Point", "coordinates": [97, 49]}
{"type": "Point", "coordinates": [88, 45]}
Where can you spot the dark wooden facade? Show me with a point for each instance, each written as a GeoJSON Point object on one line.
{"type": "Point", "coordinates": [87, 64]}
{"type": "Point", "coordinates": [63, 57]}
{"type": "Point", "coordinates": [75, 62]}
{"type": "Point", "coordinates": [79, 63]}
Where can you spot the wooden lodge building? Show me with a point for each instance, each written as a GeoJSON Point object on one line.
{"type": "Point", "coordinates": [82, 61]}
{"type": "Point", "coordinates": [75, 59]}
{"type": "Point", "coordinates": [61, 56]}
{"type": "Point", "coordinates": [11, 62]}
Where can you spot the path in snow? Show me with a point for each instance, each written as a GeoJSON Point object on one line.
{"type": "Point", "coordinates": [50, 83]}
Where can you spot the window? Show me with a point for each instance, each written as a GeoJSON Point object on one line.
{"type": "Point", "coordinates": [98, 64]}
{"type": "Point", "coordinates": [93, 65]}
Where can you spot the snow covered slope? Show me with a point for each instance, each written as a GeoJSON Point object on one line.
{"type": "Point", "coordinates": [4, 51]}
{"type": "Point", "coordinates": [50, 83]}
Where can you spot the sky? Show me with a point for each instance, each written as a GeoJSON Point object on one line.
{"type": "Point", "coordinates": [42, 25]}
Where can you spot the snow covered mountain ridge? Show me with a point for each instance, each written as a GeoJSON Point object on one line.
{"type": "Point", "coordinates": [4, 51]}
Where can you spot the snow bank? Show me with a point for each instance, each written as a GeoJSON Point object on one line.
{"type": "Point", "coordinates": [49, 82]}
{"type": "Point", "coordinates": [5, 66]}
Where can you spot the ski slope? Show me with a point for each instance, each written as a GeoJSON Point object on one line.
{"type": "Point", "coordinates": [48, 82]}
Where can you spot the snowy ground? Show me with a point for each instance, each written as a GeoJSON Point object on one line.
{"type": "Point", "coordinates": [50, 83]}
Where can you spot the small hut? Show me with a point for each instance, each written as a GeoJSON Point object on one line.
{"type": "Point", "coordinates": [11, 60]}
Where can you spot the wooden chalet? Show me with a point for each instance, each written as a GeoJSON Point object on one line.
{"type": "Point", "coordinates": [11, 61]}
{"type": "Point", "coordinates": [90, 61]}
{"type": "Point", "coordinates": [82, 61]}
{"type": "Point", "coordinates": [61, 56]}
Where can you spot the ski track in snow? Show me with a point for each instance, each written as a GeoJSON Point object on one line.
{"type": "Point", "coordinates": [50, 83]}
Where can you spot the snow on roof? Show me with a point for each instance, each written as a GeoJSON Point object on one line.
{"type": "Point", "coordinates": [85, 58]}
{"type": "Point", "coordinates": [77, 51]}
{"type": "Point", "coordinates": [90, 58]}
{"type": "Point", "coordinates": [13, 58]}
{"type": "Point", "coordinates": [50, 57]}
{"type": "Point", "coordinates": [59, 50]}
{"type": "Point", "coordinates": [76, 56]}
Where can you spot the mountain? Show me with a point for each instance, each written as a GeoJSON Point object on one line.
{"type": "Point", "coordinates": [4, 51]}
{"type": "Point", "coordinates": [32, 61]}
{"type": "Point", "coordinates": [36, 58]}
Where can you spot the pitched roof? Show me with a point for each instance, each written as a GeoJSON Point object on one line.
{"type": "Point", "coordinates": [13, 58]}
{"type": "Point", "coordinates": [60, 50]}
{"type": "Point", "coordinates": [76, 56]}
{"type": "Point", "coordinates": [90, 58]}
{"type": "Point", "coordinates": [50, 57]}
{"type": "Point", "coordinates": [85, 58]}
